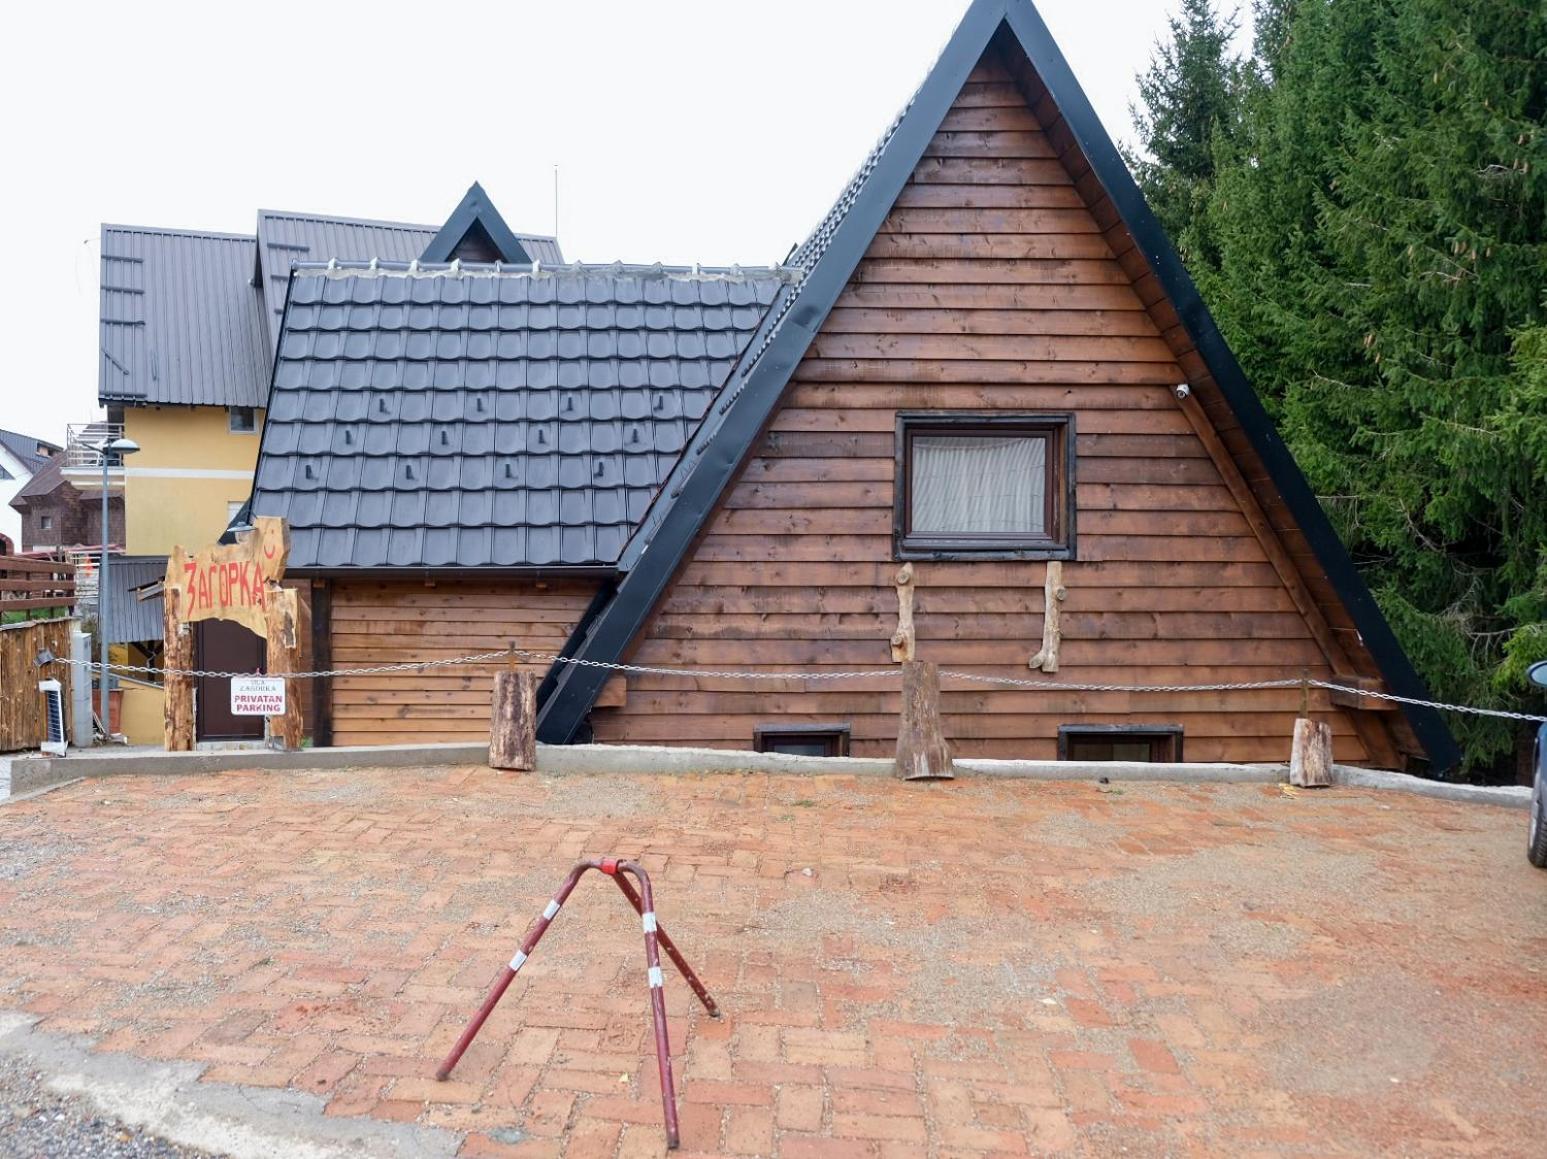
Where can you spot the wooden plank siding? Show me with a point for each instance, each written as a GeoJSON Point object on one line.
{"type": "Point", "coordinates": [993, 285]}
{"type": "Point", "coordinates": [23, 713]}
{"type": "Point", "coordinates": [376, 623]}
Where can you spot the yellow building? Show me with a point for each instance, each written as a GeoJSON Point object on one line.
{"type": "Point", "coordinates": [191, 476]}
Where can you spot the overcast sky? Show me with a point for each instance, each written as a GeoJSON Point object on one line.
{"type": "Point", "coordinates": [684, 130]}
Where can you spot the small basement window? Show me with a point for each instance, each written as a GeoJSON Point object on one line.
{"type": "Point", "coordinates": [1137, 743]}
{"type": "Point", "coordinates": [803, 740]}
{"type": "Point", "coordinates": [985, 486]}
{"type": "Point", "coordinates": [242, 420]}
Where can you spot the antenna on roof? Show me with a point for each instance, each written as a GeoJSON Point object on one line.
{"type": "Point", "coordinates": [555, 201]}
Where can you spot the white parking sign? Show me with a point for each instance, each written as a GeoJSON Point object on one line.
{"type": "Point", "coordinates": [257, 696]}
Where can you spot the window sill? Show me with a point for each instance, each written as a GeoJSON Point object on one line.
{"type": "Point", "coordinates": [968, 552]}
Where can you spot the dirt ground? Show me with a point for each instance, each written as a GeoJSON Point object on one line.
{"type": "Point", "coordinates": [976, 968]}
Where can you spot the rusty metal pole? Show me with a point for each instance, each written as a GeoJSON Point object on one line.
{"type": "Point", "coordinates": [508, 974]}
{"type": "Point", "coordinates": [670, 947]}
{"type": "Point", "coordinates": [657, 995]}
{"type": "Point", "coordinates": [643, 902]}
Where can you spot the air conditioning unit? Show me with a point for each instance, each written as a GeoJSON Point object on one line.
{"type": "Point", "coordinates": [54, 742]}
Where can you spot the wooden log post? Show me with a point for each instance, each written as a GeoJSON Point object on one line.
{"type": "Point", "coordinates": [177, 691]}
{"type": "Point", "coordinates": [922, 753]}
{"type": "Point", "coordinates": [322, 661]}
{"type": "Point", "coordinates": [1310, 759]}
{"type": "Point", "coordinates": [905, 638]}
{"type": "Point", "coordinates": [282, 616]}
{"type": "Point", "coordinates": [1053, 595]}
{"type": "Point", "coordinates": [513, 722]}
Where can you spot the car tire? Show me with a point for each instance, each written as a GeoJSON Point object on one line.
{"type": "Point", "coordinates": [1536, 846]}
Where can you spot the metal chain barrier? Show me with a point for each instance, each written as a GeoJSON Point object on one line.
{"type": "Point", "coordinates": [870, 674]}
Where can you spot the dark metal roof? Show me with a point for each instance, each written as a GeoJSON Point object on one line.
{"type": "Point", "coordinates": [49, 476]}
{"type": "Point", "coordinates": [25, 448]}
{"type": "Point", "coordinates": [179, 321]}
{"type": "Point", "coordinates": [828, 260]}
{"type": "Point", "coordinates": [476, 232]}
{"type": "Point", "coordinates": [286, 239]}
{"type": "Point", "coordinates": [131, 619]}
{"type": "Point", "coordinates": [476, 416]}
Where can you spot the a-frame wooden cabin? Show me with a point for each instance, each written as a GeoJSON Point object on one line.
{"type": "Point", "coordinates": [991, 300]}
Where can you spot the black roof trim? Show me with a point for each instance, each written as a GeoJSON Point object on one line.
{"type": "Point", "coordinates": [711, 461]}
{"type": "Point", "coordinates": [476, 211]}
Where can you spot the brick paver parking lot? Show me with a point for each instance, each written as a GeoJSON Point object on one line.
{"type": "Point", "coordinates": [978, 968]}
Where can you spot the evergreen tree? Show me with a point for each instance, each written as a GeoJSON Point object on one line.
{"type": "Point", "coordinates": [1188, 98]}
{"type": "Point", "coordinates": [1381, 223]}
{"type": "Point", "coordinates": [1271, 23]}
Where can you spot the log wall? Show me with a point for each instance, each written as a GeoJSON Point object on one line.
{"type": "Point", "coordinates": [990, 287]}
{"type": "Point", "coordinates": [390, 623]}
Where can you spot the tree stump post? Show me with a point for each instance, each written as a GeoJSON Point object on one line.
{"type": "Point", "coordinates": [1310, 759]}
{"type": "Point", "coordinates": [177, 691]}
{"type": "Point", "coordinates": [282, 615]}
{"type": "Point", "coordinates": [513, 722]}
{"type": "Point", "coordinates": [922, 754]}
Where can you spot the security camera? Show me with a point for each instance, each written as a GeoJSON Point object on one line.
{"type": "Point", "coordinates": [1183, 392]}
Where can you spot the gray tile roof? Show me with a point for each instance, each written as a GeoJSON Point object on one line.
{"type": "Point", "coordinates": [131, 619]}
{"type": "Point", "coordinates": [285, 239]}
{"type": "Point", "coordinates": [488, 417]}
{"type": "Point", "coordinates": [180, 321]}
{"type": "Point", "coordinates": [25, 448]}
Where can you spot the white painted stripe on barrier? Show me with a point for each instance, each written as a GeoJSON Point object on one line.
{"type": "Point", "coordinates": [649, 921]}
{"type": "Point", "coordinates": [656, 980]}
{"type": "Point", "coordinates": [551, 911]}
{"type": "Point", "coordinates": [517, 962]}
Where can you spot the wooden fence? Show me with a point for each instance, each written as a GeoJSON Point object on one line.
{"type": "Point", "coordinates": [22, 720]}
{"type": "Point", "coordinates": [37, 597]}
{"type": "Point", "coordinates": [33, 589]}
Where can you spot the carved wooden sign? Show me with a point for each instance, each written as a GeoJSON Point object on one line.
{"type": "Point", "coordinates": [231, 582]}
{"type": "Point", "coordinates": [238, 582]}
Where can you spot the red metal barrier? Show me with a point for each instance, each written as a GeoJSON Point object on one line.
{"type": "Point", "coordinates": [643, 902]}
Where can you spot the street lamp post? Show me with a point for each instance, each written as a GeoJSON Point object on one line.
{"type": "Point", "coordinates": [121, 447]}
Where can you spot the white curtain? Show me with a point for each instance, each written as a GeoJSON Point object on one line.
{"type": "Point", "coordinates": [977, 485]}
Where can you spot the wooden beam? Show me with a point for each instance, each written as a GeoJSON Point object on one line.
{"type": "Point", "coordinates": [322, 660]}
{"type": "Point", "coordinates": [1357, 700]}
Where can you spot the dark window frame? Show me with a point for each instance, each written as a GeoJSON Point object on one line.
{"type": "Point", "coordinates": [1171, 734]}
{"type": "Point", "coordinates": [839, 734]}
{"type": "Point", "coordinates": [1057, 426]}
{"type": "Point", "coordinates": [251, 413]}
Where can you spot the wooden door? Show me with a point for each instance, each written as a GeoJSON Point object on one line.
{"type": "Point", "coordinates": [224, 646]}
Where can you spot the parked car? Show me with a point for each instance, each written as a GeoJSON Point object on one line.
{"type": "Point", "coordinates": [1536, 844]}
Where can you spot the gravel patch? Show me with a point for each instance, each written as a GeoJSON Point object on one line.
{"type": "Point", "coordinates": [26, 856]}
{"type": "Point", "coordinates": [36, 1122]}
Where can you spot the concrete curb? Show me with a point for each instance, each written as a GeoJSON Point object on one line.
{"type": "Point", "coordinates": [168, 1100]}
{"type": "Point", "coordinates": [1504, 796]}
{"type": "Point", "coordinates": [29, 775]}
{"type": "Point", "coordinates": [1222, 774]}
{"type": "Point", "coordinates": [563, 760]}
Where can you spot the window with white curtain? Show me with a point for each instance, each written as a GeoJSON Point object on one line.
{"type": "Point", "coordinates": [983, 484]}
